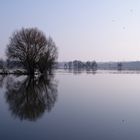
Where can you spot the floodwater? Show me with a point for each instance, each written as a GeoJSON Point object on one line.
{"type": "Point", "coordinates": [67, 105]}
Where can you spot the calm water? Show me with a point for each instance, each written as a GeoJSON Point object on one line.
{"type": "Point", "coordinates": [71, 106]}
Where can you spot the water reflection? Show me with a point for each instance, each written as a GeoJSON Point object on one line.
{"type": "Point", "coordinates": [80, 71]}
{"type": "Point", "coordinates": [30, 97]}
{"type": "Point", "coordinates": [2, 78]}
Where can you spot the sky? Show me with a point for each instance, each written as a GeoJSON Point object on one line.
{"type": "Point", "coordinates": [101, 30]}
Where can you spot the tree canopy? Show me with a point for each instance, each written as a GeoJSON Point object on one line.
{"type": "Point", "coordinates": [32, 49]}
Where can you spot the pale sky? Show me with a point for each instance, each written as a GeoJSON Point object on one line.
{"type": "Point", "coordinates": [101, 30]}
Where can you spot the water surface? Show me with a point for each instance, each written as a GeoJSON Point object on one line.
{"type": "Point", "coordinates": [102, 105]}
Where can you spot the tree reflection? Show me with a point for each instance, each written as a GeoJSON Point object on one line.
{"type": "Point", "coordinates": [29, 98]}
{"type": "Point", "coordinates": [2, 78]}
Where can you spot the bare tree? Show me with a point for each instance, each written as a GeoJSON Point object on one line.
{"type": "Point", "coordinates": [119, 66]}
{"type": "Point", "coordinates": [94, 65]}
{"type": "Point", "coordinates": [32, 49]}
{"type": "Point", "coordinates": [47, 58]}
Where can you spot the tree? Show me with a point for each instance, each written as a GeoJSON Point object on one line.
{"type": "Point", "coordinates": [1, 64]}
{"type": "Point", "coordinates": [70, 65]}
{"type": "Point", "coordinates": [32, 49]}
{"type": "Point", "coordinates": [94, 65]}
{"type": "Point", "coordinates": [119, 65]}
{"type": "Point", "coordinates": [47, 58]}
{"type": "Point", "coordinates": [88, 65]}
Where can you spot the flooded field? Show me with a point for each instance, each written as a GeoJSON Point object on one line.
{"type": "Point", "coordinates": [101, 105]}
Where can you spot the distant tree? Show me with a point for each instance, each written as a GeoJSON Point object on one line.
{"type": "Point", "coordinates": [94, 65]}
{"type": "Point", "coordinates": [65, 66]}
{"type": "Point", "coordinates": [88, 65]}
{"type": "Point", "coordinates": [70, 65]}
{"type": "Point", "coordinates": [77, 64]}
{"type": "Point", "coordinates": [80, 65]}
{"type": "Point", "coordinates": [119, 65]}
{"type": "Point", "coordinates": [32, 49]}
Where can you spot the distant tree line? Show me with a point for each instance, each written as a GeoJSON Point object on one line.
{"type": "Point", "coordinates": [76, 64]}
